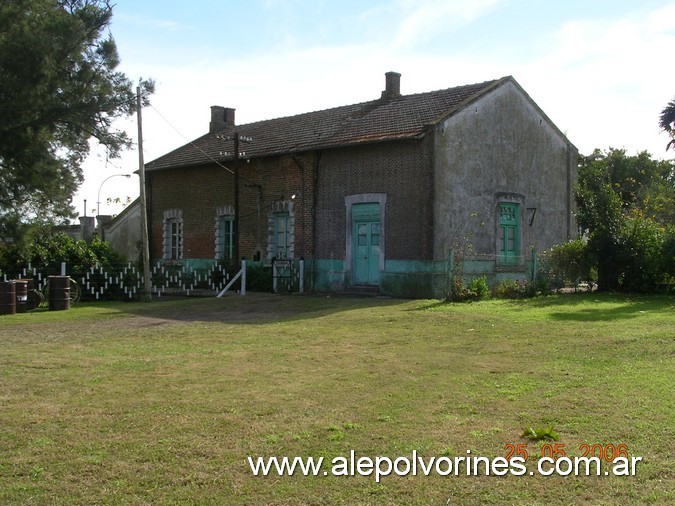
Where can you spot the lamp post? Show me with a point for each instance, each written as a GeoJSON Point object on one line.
{"type": "Point", "coordinates": [98, 198]}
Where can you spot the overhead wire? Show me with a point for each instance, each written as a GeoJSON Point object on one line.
{"type": "Point", "coordinates": [214, 160]}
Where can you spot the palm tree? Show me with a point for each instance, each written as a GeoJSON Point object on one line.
{"type": "Point", "coordinates": [667, 122]}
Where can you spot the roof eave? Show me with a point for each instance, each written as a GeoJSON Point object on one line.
{"type": "Point", "coordinates": [412, 135]}
{"type": "Point", "coordinates": [470, 100]}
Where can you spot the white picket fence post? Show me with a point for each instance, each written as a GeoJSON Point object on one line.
{"type": "Point", "coordinates": [242, 274]}
{"type": "Point", "coordinates": [243, 277]}
{"type": "Point", "coordinates": [301, 281]}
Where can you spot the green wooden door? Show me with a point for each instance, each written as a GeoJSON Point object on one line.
{"type": "Point", "coordinates": [366, 240]}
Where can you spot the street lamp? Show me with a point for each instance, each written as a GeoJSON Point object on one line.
{"type": "Point", "coordinates": [98, 198]}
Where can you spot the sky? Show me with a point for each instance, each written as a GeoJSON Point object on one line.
{"type": "Point", "coordinates": [601, 70]}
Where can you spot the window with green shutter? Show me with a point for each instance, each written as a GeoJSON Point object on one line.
{"type": "Point", "coordinates": [509, 232]}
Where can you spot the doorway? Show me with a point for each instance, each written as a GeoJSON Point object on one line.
{"type": "Point", "coordinates": [366, 244]}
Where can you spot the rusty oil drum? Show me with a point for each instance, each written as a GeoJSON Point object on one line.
{"type": "Point", "coordinates": [7, 297]}
{"type": "Point", "coordinates": [21, 295]}
{"type": "Point", "coordinates": [59, 293]}
{"type": "Point", "coordinates": [30, 293]}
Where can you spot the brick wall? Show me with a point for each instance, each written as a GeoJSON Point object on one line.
{"type": "Point", "coordinates": [267, 181]}
{"type": "Point", "coordinates": [199, 191]}
{"type": "Point", "coordinates": [400, 169]}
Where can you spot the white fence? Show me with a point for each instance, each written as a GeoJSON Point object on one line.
{"type": "Point", "coordinates": [126, 281]}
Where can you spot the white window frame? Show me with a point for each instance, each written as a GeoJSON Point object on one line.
{"type": "Point", "coordinates": [282, 236]}
{"type": "Point", "coordinates": [224, 246]}
{"type": "Point", "coordinates": [282, 209]}
{"type": "Point", "coordinates": [173, 234]}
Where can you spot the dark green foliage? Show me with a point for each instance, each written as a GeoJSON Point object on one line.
{"type": "Point", "coordinates": [59, 88]}
{"type": "Point", "coordinates": [668, 257]}
{"type": "Point", "coordinates": [642, 254]}
{"type": "Point", "coordinates": [45, 251]}
{"type": "Point", "coordinates": [258, 278]}
{"type": "Point", "coordinates": [514, 289]}
{"type": "Point", "coordinates": [477, 289]}
{"type": "Point", "coordinates": [626, 206]}
{"type": "Point", "coordinates": [667, 122]}
{"type": "Point", "coordinates": [541, 286]}
{"type": "Point", "coordinates": [569, 264]}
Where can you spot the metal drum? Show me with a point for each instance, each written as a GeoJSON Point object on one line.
{"type": "Point", "coordinates": [21, 295]}
{"type": "Point", "coordinates": [59, 293]}
{"type": "Point", "coordinates": [7, 297]}
{"type": "Point", "coordinates": [30, 293]}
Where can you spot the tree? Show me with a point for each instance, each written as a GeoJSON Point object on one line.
{"type": "Point", "coordinates": [45, 250]}
{"type": "Point", "coordinates": [667, 122]}
{"type": "Point", "coordinates": [626, 205]}
{"type": "Point", "coordinates": [59, 89]}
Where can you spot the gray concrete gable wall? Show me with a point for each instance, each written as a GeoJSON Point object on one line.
{"type": "Point", "coordinates": [124, 232]}
{"type": "Point", "coordinates": [501, 147]}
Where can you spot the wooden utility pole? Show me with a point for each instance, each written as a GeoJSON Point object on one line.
{"type": "Point", "coordinates": [145, 246]}
{"type": "Point", "coordinates": [235, 246]}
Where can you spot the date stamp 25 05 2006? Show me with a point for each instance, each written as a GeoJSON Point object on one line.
{"type": "Point", "coordinates": [555, 455]}
{"type": "Point", "coordinates": [608, 452]}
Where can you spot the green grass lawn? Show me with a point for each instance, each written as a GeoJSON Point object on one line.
{"type": "Point", "coordinates": [131, 403]}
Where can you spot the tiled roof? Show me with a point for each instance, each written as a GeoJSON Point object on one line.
{"type": "Point", "coordinates": [402, 117]}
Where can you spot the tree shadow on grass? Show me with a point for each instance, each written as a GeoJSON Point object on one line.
{"type": "Point", "coordinates": [250, 309]}
{"type": "Point", "coordinates": [556, 300]}
{"type": "Point", "coordinates": [598, 307]}
{"type": "Point", "coordinates": [586, 307]}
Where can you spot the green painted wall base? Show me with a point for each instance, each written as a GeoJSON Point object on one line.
{"type": "Point", "coordinates": [400, 278]}
{"type": "Point", "coordinates": [416, 279]}
{"type": "Point", "coordinates": [494, 273]}
{"type": "Point", "coordinates": [325, 275]}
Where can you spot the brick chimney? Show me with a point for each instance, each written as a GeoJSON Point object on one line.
{"type": "Point", "coordinates": [392, 85]}
{"type": "Point", "coordinates": [221, 118]}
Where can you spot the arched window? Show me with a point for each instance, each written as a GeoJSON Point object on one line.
{"type": "Point", "coordinates": [173, 234]}
{"type": "Point", "coordinates": [224, 232]}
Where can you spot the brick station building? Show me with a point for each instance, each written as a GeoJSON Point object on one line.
{"type": "Point", "coordinates": [371, 195]}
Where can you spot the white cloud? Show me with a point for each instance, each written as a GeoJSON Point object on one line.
{"type": "Point", "coordinates": [425, 19]}
{"type": "Point", "coordinates": [603, 82]}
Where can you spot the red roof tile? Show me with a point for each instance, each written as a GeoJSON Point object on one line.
{"type": "Point", "coordinates": [405, 116]}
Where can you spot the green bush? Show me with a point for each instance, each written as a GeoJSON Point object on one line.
{"type": "Point", "coordinates": [643, 258]}
{"type": "Point", "coordinates": [569, 264]}
{"type": "Point", "coordinates": [644, 251]}
{"type": "Point", "coordinates": [542, 286]}
{"type": "Point", "coordinates": [514, 289]}
{"type": "Point", "coordinates": [45, 251]}
{"type": "Point", "coordinates": [477, 289]}
{"type": "Point", "coordinates": [668, 259]}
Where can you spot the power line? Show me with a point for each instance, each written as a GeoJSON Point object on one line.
{"type": "Point", "coordinates": [246, 139]}
{"type": "Point", "coordinates": [191, 142]}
